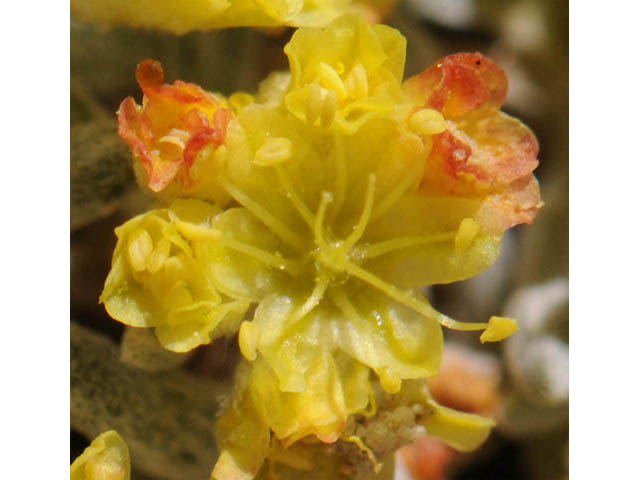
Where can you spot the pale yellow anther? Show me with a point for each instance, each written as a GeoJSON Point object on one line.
{"type": "Point", "coordinates": [248, 340]}
{"type": "Point", "coordinates": [357, 82]}
{"type": "Point", "coordinates": [314, 103]}
{"type": "Point", "coordinates": [499, 328]}
{"type": "Point", "coordinates": [238, 101]}
{"type": "Point", "coordinates": [329, 106]}
{"type": "Point", "coordinates": [330, 79]}
{"type": "Point", "coordinates": [467, 232]}
{"type": "Point", "coordinates": [273, 152]}
{"type": "Point", "coordinates": [321, 105]}
{"type": "Point", "coordinates": [139, 249]}
{"type": "Point", "coordinates": [176, 137]}
{"type": "Point", "coordinates": [159, 255]}
{"type": "Point", "coordinates": [427, 122]}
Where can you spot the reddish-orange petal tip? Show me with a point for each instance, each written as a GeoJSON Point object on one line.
{"type": "Point", "coordinates": [149, 73]}
{"type": "Point", "coordinates": [460, 83]}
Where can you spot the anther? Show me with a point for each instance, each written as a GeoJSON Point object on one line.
{"type": "Point", "coordinates": [427, 121]}
{"type": "Point", "coordinates": [273, 152]}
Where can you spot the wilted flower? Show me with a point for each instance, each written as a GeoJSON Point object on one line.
{"type": "Point", "coordinates": [171, 128]}
{"type": "Point", "coordinates": [341, 212]}
{"type": "Point", "coordinates": [483, 153]}
{"type": "Point", "coordinates": [107, 458]}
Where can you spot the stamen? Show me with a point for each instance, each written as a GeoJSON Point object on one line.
{"type": "Point", "coordinates": [273, 152]}
{"type": "Point", "coordinates": [321, 105]}
{"type": "Point", "coordinates": [277, 227]}
{"type": "Point", "coordinates": [341, 176]}
{"type": "Point", "coordinates": [357, 82]}
{"type": "Point", "coordinates": [293, 196]}
{"type": "Point", "coordinates": [394, 195]}
{"type": "Point", "coordinates": [326, 199]}
{"type": "Point", "coordinates": [248, 337]}
{"type": "Point", "coordinates": [360, 227]}
{"type": "Point", "coordinates": [313, 300]}
{"type": "Point", "coordinates": [329, 107]}
{"type": "Point", "coordinates": [499, 328]}
{"type": "Point", "coordinates": [314, 103]}
{"type": "Point", "coordinates": [427, 121]}
{"type": "Point", "coordinates": [377, 466]}
{"type": "Point", "coordinates": [265, 257]}
{"type": "Point", "coordinates": [139, 249]}
{"type": "Point", "coordinates": [407, 299]}
{"type": "Point", "coordinates": [330, 79]}
{"type": "Point", "coordinates": [159, 255]}
{"type": "Point", "coordinates": [373, 409]}
{"type": "Point", "coordinates": [382, 248]}
{"type": "Point", "coordinates": [176, 137]}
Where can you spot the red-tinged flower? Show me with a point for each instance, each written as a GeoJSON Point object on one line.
{"type": "Point", "coordinates": [482, 152]}
{"type": "Point", "coordinates": [173, 125]}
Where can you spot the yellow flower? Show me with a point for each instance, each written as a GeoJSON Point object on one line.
{"type": "Point", "coordinates": [188, 15]}
{"type": "Point", "coordinates": [347, 72]}
{"type": "Point", "coordinates": [159, 278]}
{"type": "Point", "coordinates": [334, 238]}
{"type": "Point", "coordinates": [107, 458]}
{"type": "Point", "coordinates": [341, 212]}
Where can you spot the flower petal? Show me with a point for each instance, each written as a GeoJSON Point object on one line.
{"type": "Point", "coordinates": [107, 458]}
{"type": "Point", "coordinates": [243, 261]}
{"type": "Point", "coordinates": [419, 234]}
{"type": "Point", "coordinates": [459, 84]}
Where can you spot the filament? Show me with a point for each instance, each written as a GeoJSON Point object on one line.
{"type": "Point", "coordinates": [341, 176]}
{"type": "Point", "coordinates": [407, 299]}
{"type": "Point", "coordinates": [293, 196]}
{"type": "Point", "coordinates": [394, 195]}
{"type": "Point", "coordinates": [259, 254]}
{"type": "Point", "coordinates": [382, 248]}
{"type": "Point", "coordinates": [322, 209]}
{"type": "Point", "coordinates": [358, 231]}
{"type": "Point", "coordinates": [276, 226]}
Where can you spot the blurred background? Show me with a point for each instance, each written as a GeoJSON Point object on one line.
{"type": "Point", "coordinates": [522, 383]}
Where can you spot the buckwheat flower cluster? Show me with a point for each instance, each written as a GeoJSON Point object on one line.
{"type": "Point", "coordinates": [308, 217]}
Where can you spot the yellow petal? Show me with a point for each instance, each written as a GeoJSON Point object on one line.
{"type": "Point", "coordinates": [107, 458]}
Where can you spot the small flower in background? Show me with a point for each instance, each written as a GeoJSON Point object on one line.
{"type": "Point", "coordinates": [329, 200]}
{"type": "Point", "coordinates": [188, 15]}
{"type": "Point", "coordinates": [107, 458]}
